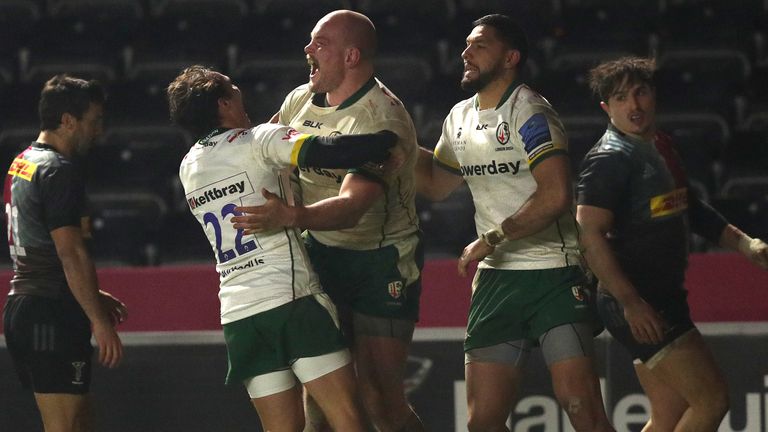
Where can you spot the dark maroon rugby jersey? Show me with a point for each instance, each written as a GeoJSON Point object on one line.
{"type": "Point", "coordinates": [43, 191]}
{"type": "Point", "coordinates": [645, 187]}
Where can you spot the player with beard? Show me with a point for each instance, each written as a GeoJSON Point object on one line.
{"type": "Point", "coordinates": [509, 145]}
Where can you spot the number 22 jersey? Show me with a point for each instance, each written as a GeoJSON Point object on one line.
{"type": "Point", "coordinates": [226, 169]}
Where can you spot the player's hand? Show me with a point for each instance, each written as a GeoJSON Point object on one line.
{"type": "Point", "coordinates": [756, 251]}
{"type": "Point", "coordinates": [646, 325]}
{"type": "Point", "coordinates": [117, 310]}
{"type": "Point", "coordinates": [110, 346]}
{"type": "Point", "coordinates": [271, 215]}
{"type": "Point", "coordinates": [475, 251]}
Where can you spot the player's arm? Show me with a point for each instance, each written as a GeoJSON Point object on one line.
{"type": "Point", "coordinates": [82, 281]}
{"type": "Point", "coordinates": [346, 151]}
{"type": "Point", "coordinates": [433, 182]}
{"type": "Point", "coordinates": [552, 198]}
{"type": "Point", "coordinates": [710, 224]}
{"type": "Point", "coordinates": [595, 223]}
{"type": "Point", "coordinates": [356, 195]}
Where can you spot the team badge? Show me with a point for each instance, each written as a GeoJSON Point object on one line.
{"type": "Point", "coordinates": [502, 133]}
{"type": "Point", "coordinates": [395, 289]}
{"type": "Point", "coordinates": [334, 133]}
{"type": "Point", "coordinates": [78, 366]}
{"type": "Point", "coordinates": [578, 293]}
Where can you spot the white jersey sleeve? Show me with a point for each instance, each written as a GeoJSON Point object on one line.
{"type": "Point", "coordinates": [278, 145]}
{"type": "Point", "coordinates": [539, 128]}
{"type": "Point", "coordinates": [444, 154]}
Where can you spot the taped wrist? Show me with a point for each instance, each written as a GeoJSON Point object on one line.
{"type": "Point", "coordinates": [494, 236]}
{"type": "Point", "coordinates": [748, 245]}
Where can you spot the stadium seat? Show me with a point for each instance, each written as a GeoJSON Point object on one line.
{"type": "Point", "coordinates": [583, 133]}
{"type": "Point", "coordinates": [605, 24]}
{"type": "Point", "coordinates": [197, 23]}
{"type": "Point", "coordinates": [703, 78]}
{"type": "Point", "coordinates": [124, 227]}
{"type": "Point", "coordinates": [266, 81]}
{"type": "Point", "coordinates": [283, 27]}
{"type": "Point", "coordinates": [137, 158]}
{"type": "Point", "coordinates": [18, 24]}
{"type": "Point", "coordinates": [41, 66]}
{"type": "Point", "coordinates": [564, 82]}
{"type": "Point", "coordinates": [85, 24]}
{"type": "Point", "coordinates": [710, 23]}
{"type": "Point", "coordinates": [747, 154]}
{"type": "Point", "coordinates": [448, 225]}
{"type": "Point", "coordinates": [418, 26]}
{"type": "Point", "coordinates": [700, 138]}
{"type": "Point", "coordinates": [14, 141]}
{"type": "Point", "coordinates": [406, 76]}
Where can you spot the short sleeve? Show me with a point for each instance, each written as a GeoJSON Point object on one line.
{"type": "Point", "coordinates": [540, 130]}
{"type": "Point", "coordinates": [603, 180]}
{"type": "Point", "coordinates": [63, 193]}
{"type": "Point", "coordinates": [445, 157]}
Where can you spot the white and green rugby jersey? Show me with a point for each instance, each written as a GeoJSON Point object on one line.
{"type": "Point", "coordinates": [229, 168]}
{"type": "Point", "coordinates": [494, 150]}
{"type": "Point", "coordinates": [392, 217]}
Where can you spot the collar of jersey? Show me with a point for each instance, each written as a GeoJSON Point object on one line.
{"type": "Point", "coordinates": [211, 134]}
{"type": "Point", "coordinates": [356, 96]}
{"type": "Point", "coordinates": [43, 146]}
{"type": "Point", "coordinates": [507, 93]}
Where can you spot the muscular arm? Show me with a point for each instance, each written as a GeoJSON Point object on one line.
{"type": "Point", "coordinates": [595, 223]}
{"type": "Point", "coordinates": [81, 278]}
{"type": "Point", "coordinates": [753, 249]}
{"type": "Point", "coordinates": [356, 195]}
{"type": "Point", "coordinates": [709, 223]}
{"type": "Point", "coordinates": [433, 183]}
{"type": "Point", "coordinates": [552, 198]}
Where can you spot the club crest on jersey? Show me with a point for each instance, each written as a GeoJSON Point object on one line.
{"type": "Point", "coordinates": [395, 289]}
{"type": "Point", "coordinates": [334, 133]}
{"type": "Point", "coordinates": [77, 377]}
{"type": "Point", "coordinates": [502, 133]}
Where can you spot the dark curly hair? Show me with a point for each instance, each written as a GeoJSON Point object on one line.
{"type": "Point", "coordinates": [609, 77]}
{"type": "Point", "coordinates": [193, 99]}
{"type": "Point", "coordinates": [67, 94]}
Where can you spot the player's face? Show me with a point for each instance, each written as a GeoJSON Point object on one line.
{"type": "Point", "coordinates": [235, 107]}
{"type": "Point", "coordinates": [632, 110]}
{"type": "Point", "coordinates": [88, 128]}
{"type": "Point", "coordinates": [483, 58]}
{"type": "Point", "coordinates": [325, 55]}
